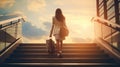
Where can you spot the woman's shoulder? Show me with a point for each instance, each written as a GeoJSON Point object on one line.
{"type": "Point", "coordinates": [53, 17]}
{"type": "Point", "coordinates": [54, 20]}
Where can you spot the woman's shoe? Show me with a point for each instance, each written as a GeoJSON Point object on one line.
{"type": "Point", "coordinates": [59, 54]}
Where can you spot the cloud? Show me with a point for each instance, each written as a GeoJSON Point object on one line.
{"type": "Point", "coordinates": [41, 22]}
{"type": "Point", "coordinates": [36, 5]}
{"type": "Point", "coordinates": [41, 39]}
{"type": "Point", "coordinates": [47, 25]}
{"type": "Point", "coordinates": [59, 2]}
{"type": "Point", "coordinates": [31, 32]}
{"type": "Point", "coordinates": [79, 40]}
{"type": "Point", "coordinates": [76, 3]}
{"type": "Point", "coordinates": [44, 24]}
{"type": "Point", "coordinates": [76, 6]}
{"type": "Point", "coordinates": [18, 12]}
{"type": "Point", "coordinates": [6, 3]}
{"type": "Point", "coordinates": [77, 15]}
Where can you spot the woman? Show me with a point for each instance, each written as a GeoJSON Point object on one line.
{"type": "Point", "coordinates": [58, 22]}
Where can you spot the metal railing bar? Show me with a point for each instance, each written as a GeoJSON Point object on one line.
{"type": "Point", "coordinates": [108, 23]}
{"type": "Point", "coordinates": [110, 34]}
{"type": "Point", "coordinates": [115, 33]}
{"type": "Point", "coordinates": [9, 20]}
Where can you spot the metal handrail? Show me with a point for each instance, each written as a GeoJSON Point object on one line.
{"type": "Point", "coordinates": [106, 22]}
{"type": "Point", "coordinates": [9, 20]}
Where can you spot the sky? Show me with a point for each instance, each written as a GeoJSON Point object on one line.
{"type": "Point", "coordinates": [38, 15]}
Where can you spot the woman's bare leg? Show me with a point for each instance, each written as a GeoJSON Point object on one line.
{"type": "Point", "coordinates": [57, 45]}
{"type": "Point", "coordinates": [61, 43]}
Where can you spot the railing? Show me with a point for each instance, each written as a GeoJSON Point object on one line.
{"type": "Point", "coordinates": [107, 31]}
{"type": "Point", "coordinates": [10, 30]}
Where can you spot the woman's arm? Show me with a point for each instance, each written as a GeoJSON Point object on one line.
{"type": "Point", "coordinates": [52, 28]}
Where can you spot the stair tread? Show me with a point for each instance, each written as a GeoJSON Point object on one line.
{"type": "Point", "coordinates": [62, 54]}
{"type": "Point", "coordinates": [63, 44]}
{"type": "Point", "coordinates": [69, 55]}
{"type": "Point", "coordinates": [74, 44]}
{"type": "Point", "coordinates": [47, 64]}
{"type": "Point", "coordinates": [17, 54]}
{"type": "Point", "coordinates": [59, 58]}
{"type": "Point", "coordinates": [62, 49]}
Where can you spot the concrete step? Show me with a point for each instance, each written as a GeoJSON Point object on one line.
{"type": "Point", "coordinates": [70, 44]}
{"type": "Point", "coordinates": [60, 65]}
{"type": "Point", "coordinates": [64, 47]}
{"type": "Point", "coordinates": [64, 51]}
{"type": "Point", "coordinates": [60, 60]}
{"type": "Point", "coordinates": [95, 49]}
{"type": "Point", "coordinates": [65, 55]}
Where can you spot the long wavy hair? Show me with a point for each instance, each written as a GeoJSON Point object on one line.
{"type": "Point", "coordinates": [59, 15]}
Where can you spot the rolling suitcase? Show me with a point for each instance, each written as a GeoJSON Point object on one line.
{"type": "Point", "coordinates": [50, 45]}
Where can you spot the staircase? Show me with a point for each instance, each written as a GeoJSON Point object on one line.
{"type": "Point", "coordinates": [77, 55]}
